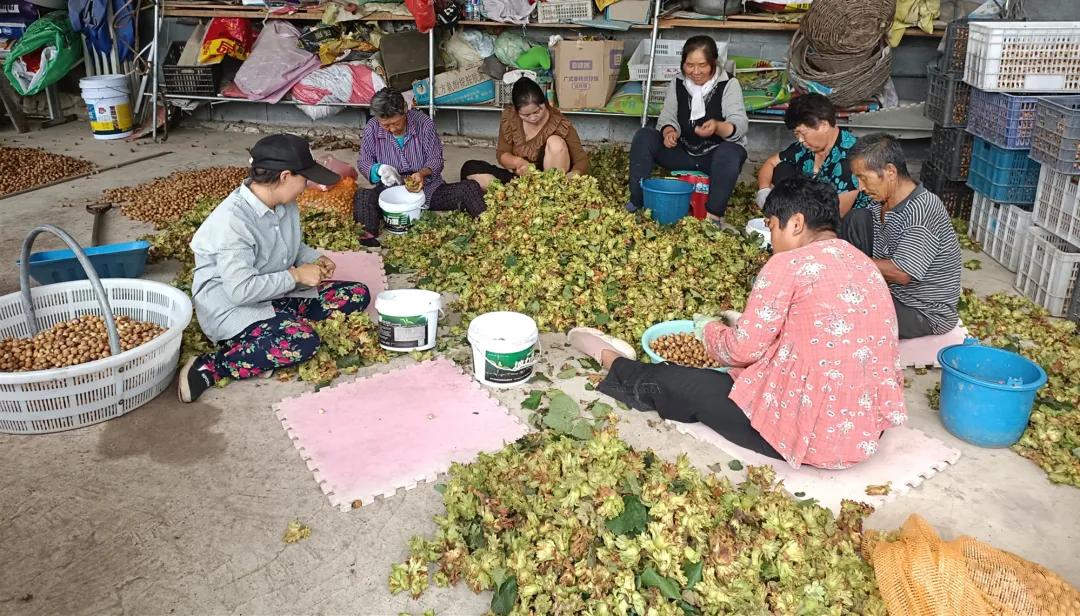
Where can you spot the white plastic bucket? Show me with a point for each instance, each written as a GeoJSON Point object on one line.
{"type": "Point", "coordinates": [408, 319]}
{"type": "Point", "coordinates": [400, 208]}
{"type": "Point", "coordinates": [505, 348]}
{"type": "Point", "coordinates": [760, 227]}
{"type": "Point", "coordinates": [108, 103]}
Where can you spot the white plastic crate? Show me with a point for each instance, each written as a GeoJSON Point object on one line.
{"type": "Point", "coordinates": [1015, 56]}
{"type": "Point", "coordinates": [1047, 269]}
{"type": "Point", "coordinates": [668, 59]}
{"type": "Point", "coordinates": [563, 11]}
{"type": "Point", "coordinates": [983, 221]}
{"type": "Point", "coordinates": [1057, 204]}
{"type": "Point", "coordinates": [1009, 235]}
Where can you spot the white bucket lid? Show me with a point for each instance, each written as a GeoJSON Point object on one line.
{"type": "Point", "coordinates": [511, 329]}
{"type": "Point", "coordinates": [399, 199]}
{"type": "Point", "coordinates": [410, 301]}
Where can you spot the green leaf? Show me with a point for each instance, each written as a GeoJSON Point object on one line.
{"type": "Point", "coordinates": [693, 572]}
{"type": "Point", "coordinates": [735, 465]}
{"type": "Point", "coordinates": [510, 261]}
{"type": "Point", "coordinates": [532, 401]}
{"type": "Point", "coordinates": [473, 534]}
{"type": "Point", "coordinates": [569, 373]}
{"type": "Point", "coordinates": [668, 587]}
{"type": "Point", "coordinates": [563, 413]}
{"type": "Point", "coordinates": [799, 494]}
{"type": "Point", "coordinates": [632, 520]}
{"type": "Point", "coordinates": [390, 268]}
{"type": "Point", "coordinates": [589, 363]}
{"type": "Point", "coordinates": [349, 361]}
{"type": "Point", "coordinates": [599, 409]}
{"type": "Point", "coordinates": [593, 214]}
{"type": "Point", "coordinates": [623, 406]}
{"type": "Point", "coordinates": [590, 387]}
{"type": "Point", "coordinates": [631, 484]}
{"type": "Point", "coordinates": [601, 318]}
{"type": "Point", "coordinates": [505, 597]}
{"type": "Point", "coordinates": [440, 488]}
{"type": "Point", "coordinates": [455, 269]}
{"type": "Point", "coordinates": [582, 431]}
{"type": "Point", "coordinates": [540, 377]}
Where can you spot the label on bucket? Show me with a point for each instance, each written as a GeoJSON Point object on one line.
{"type": "Point", "coordinates": [402, 332]}
{"type": "Point", "coordinates": [508, 367]}
{"type": "Point", "coordinates": [110, 119]}
{"type": "Point", "coordinates": [397, 223]}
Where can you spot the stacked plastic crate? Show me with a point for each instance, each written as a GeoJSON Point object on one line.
{"type": "Point", "coordinates": [947, 97]}
{"type": "Point", "coordinates": [1016, 70]}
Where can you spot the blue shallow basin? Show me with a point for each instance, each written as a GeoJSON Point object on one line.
{"type": "Point", "coordinates": [124, 260]}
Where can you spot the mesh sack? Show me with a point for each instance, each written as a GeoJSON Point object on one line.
{"type": "Point", "coordinates": [918, 574]}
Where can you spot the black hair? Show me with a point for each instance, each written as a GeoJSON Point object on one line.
{"type": "Point", "coordinates": [527, 92]}
{"type": "Point", "coordinates": [814, 199]}
{"type": "Point", "coordinates": [878, 151]}
{"type": "Point", "coordinates": [702, 43]}
{"type": "Point", "coordinates": [388, 103]}
{"type": "Point", "coordinates": [808, 110]}
{"type": "Point", "coordinates": [264, 176]}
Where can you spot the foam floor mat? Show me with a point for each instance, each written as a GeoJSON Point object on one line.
{"type": "Point", "coordinates": [922, 352]}
{"type": "Point", "coordinates": [905, 458]}
{"type": "Point", "coordinates": [392, 430]}
{"type": "Point", "coordinates": [365, 267]}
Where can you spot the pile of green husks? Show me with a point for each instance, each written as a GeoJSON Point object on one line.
{"type": "Point", "coordinates": [556, 525]}
{"type": "Point", "coordinates": [1052, 439]}
{"type": "Point", "coordinates": [562, 252]}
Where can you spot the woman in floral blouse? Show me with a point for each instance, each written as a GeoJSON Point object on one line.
{"type": "Point", "coordinates": [813, 375]}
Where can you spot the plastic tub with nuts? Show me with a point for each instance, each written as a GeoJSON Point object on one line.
{"type": "Point", "coordinates": [1005, 120]}
{"type": "Point", "coordinates": [947, 98]}
{"type": "Point", "coordinates": [43, 401]}
{"type": "Point", "coordinates": [1056, 141]}
{"type": "Point", "coordinates": [950, 149]}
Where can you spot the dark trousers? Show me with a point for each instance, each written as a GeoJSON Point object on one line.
{"type": "Point", "coordinates": [722, 164]}
{"type": "Point", "coordinates": [910, 322]}
{"type": "Point", "coordinates": [466, 196]}
{"type": "Point", "coordinates": [287, 338]}
{"type": "Point", "coordinates": [687, 395]}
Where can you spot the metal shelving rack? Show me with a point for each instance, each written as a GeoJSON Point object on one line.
{"type": "Point", "coordinates": [163, 9]}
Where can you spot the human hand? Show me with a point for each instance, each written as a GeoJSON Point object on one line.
{"type": "Point", "coordinates": [415, 182]}
{"type": "Point", "coordinates": [327, 266]}
{"type": "Point", "coordinates": [389, 176]}
{"type": "Point", "coordinates": [308, 274]}
{"type": "Point", "coordinates": [708, 128]}
{"type": "Point", "coordinates": [522, 169]}
{"type": "Point", "coordinates": [700, 321]}
{"type": "Point", "coordinates": [671, 137]}
{"type": "Point", "coordinates": [762, 195]}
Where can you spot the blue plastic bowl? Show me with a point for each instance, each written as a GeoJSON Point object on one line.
{"type": "Point", "coordinates": [681, 326]}
{"type": "Point", "coordinates": [125, 260]}
{"type": "Point", "coordinates": [669, 200]}
{"type": "Point", "coordinates": [987, 393]}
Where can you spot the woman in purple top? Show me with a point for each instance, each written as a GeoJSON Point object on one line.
{"type": "Point", "coordinates": [399, 144]}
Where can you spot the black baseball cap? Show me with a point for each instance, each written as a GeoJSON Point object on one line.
{"type": "Point", "coordinates": [284, 152]}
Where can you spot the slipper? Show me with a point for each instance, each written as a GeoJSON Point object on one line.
{"type": "Point", "coordinates": [593, 342]}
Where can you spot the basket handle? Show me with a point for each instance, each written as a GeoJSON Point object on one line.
{"type": "Point", "coordinates": [91, 273]}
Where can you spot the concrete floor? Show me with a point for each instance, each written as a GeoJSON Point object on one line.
{"type": "Point", "coordinates": [180, 508]}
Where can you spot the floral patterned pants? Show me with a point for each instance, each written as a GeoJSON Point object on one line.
{"type": "Point", "coordinates": [287, 338]}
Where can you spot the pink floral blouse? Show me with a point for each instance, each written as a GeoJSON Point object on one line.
{"type": "Point", "coordinates": [815, 356]}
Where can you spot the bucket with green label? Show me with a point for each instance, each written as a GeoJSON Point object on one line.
{"type": "Point", "coordinates": [505, 348]}
{"type": "Point", "coordinates": [400, 208]}
{"type": "Point", "coordinates": [408, 319]}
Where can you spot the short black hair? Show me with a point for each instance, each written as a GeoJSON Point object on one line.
{"type": "Point", "coordinates": [264, 176]}
{"type": "Point", "coordinates": [814, 199]}
{"type": "Point", "coordinates": [527, 92]}
{"type": "Point", "coordinates": [703, 43]}
{"type": "Point", "coordinates": [879, 150]}
{"type": "Point", "coordinates": [808, 110]}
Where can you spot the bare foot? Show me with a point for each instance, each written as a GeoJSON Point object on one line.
{"type": "Point", "coordinates": [608, 357]}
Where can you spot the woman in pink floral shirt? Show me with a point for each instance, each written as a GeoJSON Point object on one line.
{"type": "Point", "coordinates": [814, 376]}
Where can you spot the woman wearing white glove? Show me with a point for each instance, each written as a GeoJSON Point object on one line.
{"type": "Point", "coordinates": [387, 175]}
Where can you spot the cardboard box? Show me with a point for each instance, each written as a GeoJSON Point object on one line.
{"type": "Point", "coordinates": [633, 11]}
{"type": "Point", "coordinates": [586, 72]}
{"type": "Point", "coordinates": [465, 86]}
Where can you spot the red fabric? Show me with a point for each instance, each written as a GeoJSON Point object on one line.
{"type": "Point", "coordinates": [423, 11]}
{"type": "Point", "coordinates": [816, 355]}
{"type": "Point", "coordinates": [32, 60]}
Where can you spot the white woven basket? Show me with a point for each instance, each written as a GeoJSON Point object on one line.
{"type": "Point", "coordinates": [45, 401]}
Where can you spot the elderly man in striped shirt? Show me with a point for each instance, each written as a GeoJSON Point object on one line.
{"type": "Point", "coordinates": [915, 245]}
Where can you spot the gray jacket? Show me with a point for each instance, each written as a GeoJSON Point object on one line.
{"type": "Point", "coordinates": [732, 103]}
{"type": "Point", "coordinates": [243, 252]}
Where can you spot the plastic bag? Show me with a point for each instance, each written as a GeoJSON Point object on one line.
{"type": "Point", "coordinates": [509, 11]}
{"type": "Point", "coordinates": [340, 167]}
{"type": "Point", "coordinates": [52, 31]}
{"type": "Point", "coordinates": [350, 82]}
{"type": "Point", "coordinates": [509, 46]}
{"type": "Point", "coordinates": [276, 64]}
{"type": "Point", "coordinates": [461, 52]}
{"type": "Point", "coordinates": [423, 12]}
{"type": "Point", "coordinates": [227, 36]}
{"type": "Point", "coordinates": [483, 43]}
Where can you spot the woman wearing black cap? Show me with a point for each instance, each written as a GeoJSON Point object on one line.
{"type": "Point", "coordinates": [256, 285]}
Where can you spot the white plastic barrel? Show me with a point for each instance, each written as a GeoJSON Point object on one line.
{"type": "Point", "coordinates": [108, 104]}
{"type": "Point", "coordinates": [408, 319]}
{"type": "Point", "coordinates": [505, 348]}
{"type": "Point", "coordinates": [400, 208]}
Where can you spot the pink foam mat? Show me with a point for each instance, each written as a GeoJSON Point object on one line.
{"type": "Point", "coordinates": [392, 430]}
{"type": "Point", "coordinates": [365, 267]}
{"type": "Point", "coordinates": [922, 352]}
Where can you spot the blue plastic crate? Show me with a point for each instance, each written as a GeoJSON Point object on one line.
{"type": "Point", "coordinates": [125, 260]}
{"type": "Point", "coordinates": [1005, 120]}
{"type": "Point", "coordinates": [1005, 176]}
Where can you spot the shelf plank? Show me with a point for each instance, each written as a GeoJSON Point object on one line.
{"type": "Point", "coordinates": [203, 9]}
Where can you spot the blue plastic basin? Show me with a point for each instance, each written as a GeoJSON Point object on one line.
{"type": "Point", "coordinates": [125, 260]}
{"type": "Point", "coordinates": [681, 326]}
{"type": "Point", "coordinates": [669, 200]}
{"type": "Point", "coordinates": [987, 393]}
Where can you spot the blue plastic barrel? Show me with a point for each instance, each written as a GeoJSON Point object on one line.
{"type": "Point", "coordinates": [987, 393]}
{"type": "Point", "coordinates": [669, 200]}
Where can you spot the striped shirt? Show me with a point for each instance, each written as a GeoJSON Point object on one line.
{"type": "Point", "coordinates": [919, 238]}
{"type": "Point", "coordinates": [422, 148]}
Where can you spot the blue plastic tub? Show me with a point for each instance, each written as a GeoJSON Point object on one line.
{"type": "Point", "coordinates": [987, 393]}
{"type": "Point", "coordinates": [681, 326]}
{"type": "Point", "coordinates": [669, 200]}
{"type": "Point", "coordinates": [126, 260]}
